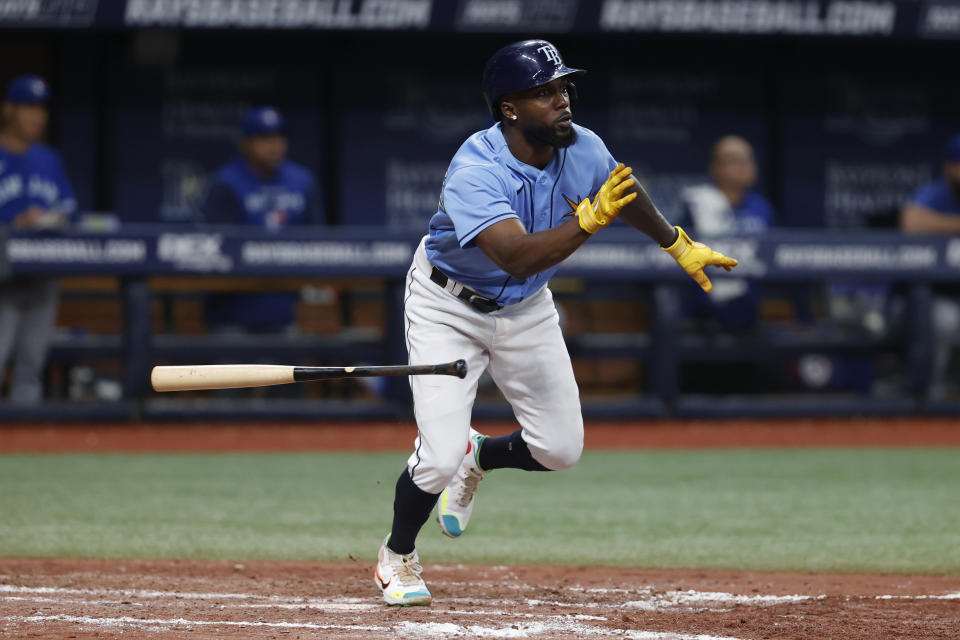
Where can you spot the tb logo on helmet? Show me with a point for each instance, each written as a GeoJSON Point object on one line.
{"type": "Point", "coordinates": [551, 53]}
{"type": "Point", "coordinates": [520, 66]}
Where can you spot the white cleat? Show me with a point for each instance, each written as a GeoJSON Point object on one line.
{"type": "Point", "coordinates": [398, 575]}
{"type": "Point", "coordinates": [456, 501]}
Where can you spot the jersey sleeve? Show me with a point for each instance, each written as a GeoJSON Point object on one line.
{"type": "Point", "coordinates": [474, 198]}
{"type": "Point", "coordinates": [49, 167]}
{"type": "Point", "coordinates": [927, 196]}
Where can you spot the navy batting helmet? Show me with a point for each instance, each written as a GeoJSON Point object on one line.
{"type": "Point", "coordinates": [519, 66]}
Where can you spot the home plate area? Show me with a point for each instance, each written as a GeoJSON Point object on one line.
{"type": "Point", "coordinates": [160, 599]}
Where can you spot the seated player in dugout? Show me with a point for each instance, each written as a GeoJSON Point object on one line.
{"type": "Point", "coordinates": [260, 187]}
{"type": "Point", "coordinates": [518, 199]}
{"type": "Point", "coordinates": [727, 206]}
{"type": "Point", "coordinates": [934, 208]}
{"type": "Point", "coordinates": [34, 194]}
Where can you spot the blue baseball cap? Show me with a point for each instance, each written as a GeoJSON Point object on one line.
{"type": "Point", "coordinates": [951, 153]}
{"type": "Point", "coordinates": [28, 90]}
{"type": "Point", "coordinates": [262, 121]}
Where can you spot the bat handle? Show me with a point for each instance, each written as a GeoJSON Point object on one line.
{"type": "Point", "coordinates": [460, 368]}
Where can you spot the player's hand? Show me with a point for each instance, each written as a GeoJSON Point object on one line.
{"type": "Point", "coordinates": [694, 256]}
{"type": "Point", "coordinates": [608, 203]}
{"type": "Point", "coordinates": [37, 218]}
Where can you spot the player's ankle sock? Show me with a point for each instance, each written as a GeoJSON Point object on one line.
{"type": "Point", "coordinates": [507, 452]}
{"type": "Point", "coordinates": [411, 508]}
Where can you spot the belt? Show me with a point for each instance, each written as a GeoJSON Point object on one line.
{"type": "Point", "coordinates": [475, 300]}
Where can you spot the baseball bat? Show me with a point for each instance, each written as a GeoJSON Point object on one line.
{"type": "Point", "coordinates": [236, 376]}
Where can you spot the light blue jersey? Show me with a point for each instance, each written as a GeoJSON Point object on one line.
{"type": "Point", "coordinates": [486, 184]}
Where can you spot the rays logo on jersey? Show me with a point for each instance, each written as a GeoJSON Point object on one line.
{"type": "Point", "coordinates": [572, 204]}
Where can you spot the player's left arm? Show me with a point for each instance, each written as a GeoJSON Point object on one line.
{"type": "Point", "coordinates": [643, 215]}
{"type": "Point", "coordinates": [692, 256]}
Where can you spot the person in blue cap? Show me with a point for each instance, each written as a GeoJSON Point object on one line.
{"type": "Point", "coordinates": [260, 187]}
{"type": "Point", "coordinates": [934, 208]}
{"type": "Point", "coordinates": [34, 194]}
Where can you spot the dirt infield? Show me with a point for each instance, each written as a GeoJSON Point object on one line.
{"type": "Point", "coordinates": [193, 599]}
{"type": "Point", "coordinates": [363, 436]}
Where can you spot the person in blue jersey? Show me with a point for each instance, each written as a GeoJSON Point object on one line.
{"type": "Point", "coordinates": [261, 188]}
{"type": "Point", "coordinates": [727, 206]}
{"type": "Point", "coordinates": [34, 194]}
{"type": "Point", "coordinates": [934, 208]}
{"type": "Point", "coordinates": [517, 199]}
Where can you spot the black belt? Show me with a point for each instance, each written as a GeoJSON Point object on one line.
{"type": "Point", "coordinates": [475, 300]}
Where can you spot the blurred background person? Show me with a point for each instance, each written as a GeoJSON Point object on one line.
{"type": "Point", "coordinates": [727, 206]}
{"type": "Point", "coordinates": [34, 194]}
{"type": "Point", "coordinates": [260, 187]}
{"type": "Point", "coordinates": [934, 208]}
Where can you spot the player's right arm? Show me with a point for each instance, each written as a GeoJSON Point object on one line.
{"type": "Point", "coordinates": [523, 254]}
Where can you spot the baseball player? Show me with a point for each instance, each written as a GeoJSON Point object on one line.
{"type": "Point", "coordinates": [34, 194]}
{"type": "Point", "coordinates": [517, 199]}
{"type": "Point", "coordinates": [260, 187]}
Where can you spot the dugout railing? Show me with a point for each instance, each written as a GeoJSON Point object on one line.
{"type": "Point", "coordinates": [138, 255]}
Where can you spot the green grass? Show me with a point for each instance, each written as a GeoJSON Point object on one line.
{"type": "Point", "coordinates": [817, 510]}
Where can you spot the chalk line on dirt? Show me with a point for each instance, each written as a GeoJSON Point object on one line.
{"type": "Point", "coordinates": [404, 628]}
{"type": "Point", "coordinates": [691, 598]}
{"type": "Point", "coordinates": [183, 622]}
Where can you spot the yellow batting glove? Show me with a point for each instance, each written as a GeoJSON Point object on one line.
{"type": "Point", "coordinates": [694, 256]}
{"type": "Point", "coordinates": [608, 203]}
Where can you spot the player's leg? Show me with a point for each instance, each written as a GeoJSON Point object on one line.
{"type": "Point", "coordinates": [532, 368]}
{"type": "Point", "coordinates": [946, 334]}
{"type": "Point", "coordinates": [529, 362]}
{"type": "Point", "coordinates": [437, 325]}
{"type": "Point", "coordinates": [39, 313]}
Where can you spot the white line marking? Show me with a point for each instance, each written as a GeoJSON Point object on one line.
{"type": "Point", "coordinates": [180, 622]}
{"type": "Point", "coordinates": [526, 629]}
{"type": "Point", "coordinates": [943, 596]}
{"type": "Point", "coordinates": [406, 628]}
{"type": "Point", "coordinates": [323, 606]}
{"type": "Point", "coordinates": [691, 598]}
{"type": "Point", "coordinates": [136, 593]}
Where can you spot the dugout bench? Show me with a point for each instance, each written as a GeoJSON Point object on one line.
{"type": "Point", "coordinates": [146, 262]}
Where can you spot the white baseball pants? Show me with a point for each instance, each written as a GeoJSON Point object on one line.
{"type": "Point", "coordinates": [522, 347]}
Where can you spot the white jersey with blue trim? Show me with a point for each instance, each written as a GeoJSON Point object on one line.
{"type": "Point", "coordinates": [485, 184]}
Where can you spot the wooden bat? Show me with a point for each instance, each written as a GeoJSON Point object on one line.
{"type": "Point", "coordinates": [235, 376]}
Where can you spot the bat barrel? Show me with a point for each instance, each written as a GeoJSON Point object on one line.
{"type": "Point", "coordinates": [219, 376]}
